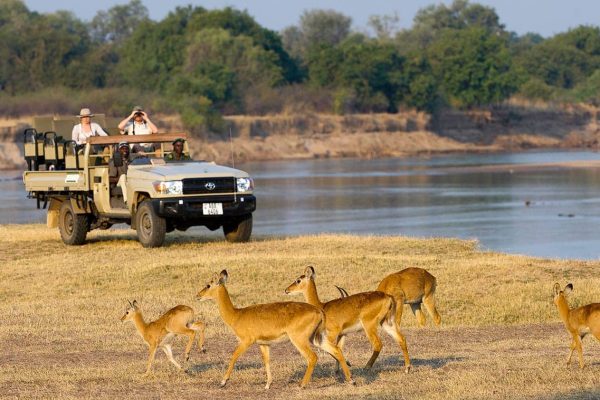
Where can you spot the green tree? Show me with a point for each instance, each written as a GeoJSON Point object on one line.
{"type": "Point", "coordinates": [317, 28]}
{"type": "Point", "coordinates": [119, 22]}
{"type": "Point", "coordinates": [385, 27]}
{"type": "Point", "coordinates": [156, 51]}
{"type": "Point", "coordinates": [432, 21]}
{"type": "Point", "coordinates": [218, 55]}
{"type": "Point", "coordinates": [473, 67]}
{"type": "Point", "coordinates": [565, 60]}
{"type": "Point", "coordinates": [14, 19]}
{"type": "Point", "coordinates": [421, 88]}
{"type": "Point", "coordinates": [556, 64]}
{"type": "Point", "coordinates": [240, 23]}
{"type": "Point", "coordinates": [40, 50]}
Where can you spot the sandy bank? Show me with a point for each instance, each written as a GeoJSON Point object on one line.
{"type": "Point", "coordinates": [409, 133]}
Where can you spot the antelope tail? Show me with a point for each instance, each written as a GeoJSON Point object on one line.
{"type": "Point", "coordinates": [196, 326]}
{"type": "Point", "coordinates": [390, 316]}
{"type": "Point", "coordinates": [317, 336]}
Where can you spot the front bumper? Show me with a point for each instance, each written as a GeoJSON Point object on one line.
{"type": "Point", "coordinates": [191, 207]}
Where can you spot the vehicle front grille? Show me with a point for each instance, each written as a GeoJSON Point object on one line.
{"type": "Point", "coordinates": [208, 185]}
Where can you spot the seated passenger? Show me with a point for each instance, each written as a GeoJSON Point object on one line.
{"type": "Point", "coordinates": [117, 168]}
{"type": "Point", "coordinates": [86, 128]}
{"type": "Point", "coordinates": [177, 153]}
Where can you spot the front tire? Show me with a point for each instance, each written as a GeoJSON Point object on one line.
{"type": "Point", "coordinates": [151, 228]}
{"type": "Point", "coordinates": [73, 227]}
{"type": "Point", "coordinates": [238, 230]}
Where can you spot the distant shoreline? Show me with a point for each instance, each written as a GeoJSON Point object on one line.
{"type": "Point", "coordinates": [367, 136]}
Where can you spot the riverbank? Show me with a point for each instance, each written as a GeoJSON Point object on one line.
{"type": "Point", "coordinates": [407, 133]}
{"type": "Point", "coordinates": [62, 337]}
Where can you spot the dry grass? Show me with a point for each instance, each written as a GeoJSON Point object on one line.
{"type": "Point", "coordinates": [61, 336]}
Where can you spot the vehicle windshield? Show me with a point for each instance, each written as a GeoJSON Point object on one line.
{"type": "Point", "coordinates": [155, 153]}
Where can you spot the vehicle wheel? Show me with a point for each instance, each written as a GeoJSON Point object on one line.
{"type": "Point", "coordinates": [73, 227]}
{"type": "Point", "coordinates": [238, 230]}
{"type": "Point", "coordinates": [151, 228]}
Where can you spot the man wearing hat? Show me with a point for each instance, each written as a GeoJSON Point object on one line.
{"type": "Point", "coordinates": [177, 153]}
{"type": "Point", "coordinates": [117, 168]}
{"type": "Point", "coordinates": [86, 128]}
{"type": "Point", "coordinates": [137, 123]}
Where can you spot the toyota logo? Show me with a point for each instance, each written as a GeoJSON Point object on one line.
{"type": "Point", "coordinates": [210, 186]}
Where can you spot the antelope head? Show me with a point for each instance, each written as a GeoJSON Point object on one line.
{"type": "Point", "coordinates": [130, 311]}
{"type": "Point", "coordinates": [300, 284]}
{"type": "Point", "coordinates": [558, 293]}
{"type": "Point", "coordinates": [210, 290]}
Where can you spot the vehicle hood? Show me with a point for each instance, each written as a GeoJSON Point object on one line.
{"type": "Point", "coordinates": [178, 171]}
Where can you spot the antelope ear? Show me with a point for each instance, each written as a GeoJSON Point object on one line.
{"type": "Point", "coordinates": [135, 304]}
{"type": "Point", "coordinates": [310, 272]}
{"type": "Point", "coordinates": [556, 289]}
{"type": "Point", "coordinates": [568, 288]}
{"type": "Point", "coordinates": [223, 277]}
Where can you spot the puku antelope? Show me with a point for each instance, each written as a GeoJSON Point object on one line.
{"type": "Point", "coordinates": [157, 334]}
{"type": "Point", "coordinates": [579, 321]}
{"type": "Point", "coordinates": [412, 286]}
{"type": "Point", "coordinates": [265, 324]}
{"type": "Point", "coordinates": [367, 311]}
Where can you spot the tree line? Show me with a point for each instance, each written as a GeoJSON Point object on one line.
{"type": "Point", "coordinates": [204, 63]}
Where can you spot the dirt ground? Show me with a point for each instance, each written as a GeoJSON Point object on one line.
{"type": "Point", "coordinates": [61, 336]}
{"type": "Point", "coordinates": [502, 362]}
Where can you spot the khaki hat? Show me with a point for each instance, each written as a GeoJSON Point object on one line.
{"type": "Point", "coordinates": [181, 140]}
{"type": "Point", "coordinates": [137, 109]}
{"type": "Point", "coordinates": [85, 112]}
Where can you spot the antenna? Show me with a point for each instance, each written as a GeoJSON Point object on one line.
{"type": "Point", "coordinates": [232, 165]}
{"type": "Point", "coordinates": [231, 145]}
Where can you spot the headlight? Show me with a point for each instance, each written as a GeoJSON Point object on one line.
{"type": "Point", "coordinates": [168, 187]}
{"type": "Point", "coordinates": [245, 184]}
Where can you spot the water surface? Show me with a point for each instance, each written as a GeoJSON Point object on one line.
{"type": "Point", "coordinates": [549, 212]}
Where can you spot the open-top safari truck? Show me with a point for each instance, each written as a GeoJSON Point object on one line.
{"type": "Point", "coordinates": [161, 196]}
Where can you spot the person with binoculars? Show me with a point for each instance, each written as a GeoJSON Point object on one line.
{"type": "Point", "coordinates": [137, 123]}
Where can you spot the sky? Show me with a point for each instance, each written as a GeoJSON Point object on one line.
{"type": "Point", "coordinates": [546, 17]}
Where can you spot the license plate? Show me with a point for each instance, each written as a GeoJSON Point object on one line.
{"type": "Point", "coordinates": [212, 208]}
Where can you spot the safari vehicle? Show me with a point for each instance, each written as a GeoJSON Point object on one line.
{"type": "Point", "coordinates": [161, 196]}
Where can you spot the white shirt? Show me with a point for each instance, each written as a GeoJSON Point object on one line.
{"type": "Point", "coordinates": [133, 128]}
{"type": "Point", "coordinates": [79, 136]}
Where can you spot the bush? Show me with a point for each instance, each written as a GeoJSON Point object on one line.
{"type": "Point", "coordinates": [535, 88]}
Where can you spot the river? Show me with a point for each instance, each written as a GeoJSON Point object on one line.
{"type": "Point", "coordinates": [547, 212]}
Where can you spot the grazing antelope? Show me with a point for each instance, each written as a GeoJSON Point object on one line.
{"type": "Point", "coordinates": [177, 321]}
{"type": "Point", "coordinates": [367, 311]}
{"type": "Point", "coordinates": [412, 286]}
{"type": "Point", "coordinates": [265, 324]}
{"type": "Point", "coordinates": [579, 321]}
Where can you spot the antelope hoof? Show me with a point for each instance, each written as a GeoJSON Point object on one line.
{"type": "Point", "coordinates": [268, 385]}
{"type": "Point", "coordinates": [203, 350]}
{"type": "Point", "coordinates": [351, 382]}
{"type": "Point", "coordinates": [407, 369]}
{"type": "Point", "coordinates": [223, 383]}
